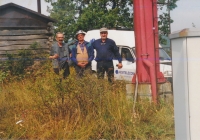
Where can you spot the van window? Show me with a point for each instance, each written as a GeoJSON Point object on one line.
{"type": "Point", "coordinates": [126, 55]}
{"type": "Point", "coordinates": [163, 55]}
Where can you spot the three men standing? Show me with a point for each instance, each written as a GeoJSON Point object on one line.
{"type": "Point", "coordinates": [83, 53]}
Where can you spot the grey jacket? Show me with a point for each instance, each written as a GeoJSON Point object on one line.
{"type": "Point", "coordinates": [63, 52]}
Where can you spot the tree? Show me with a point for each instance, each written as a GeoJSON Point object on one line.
{"type": "Point", "coordinates": [107, 13]}
{"type": "Point", "coordinates": [164, 19]}
{"type": "Point", "coordinates": [64, 12]}
{"type": "Point", "coordinates": [73, 15]}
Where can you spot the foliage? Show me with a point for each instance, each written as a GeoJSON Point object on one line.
{"type": "Point", "coordinates": [64, 12]}
{"type": "Point", "coordinates": [95, 16]}
{"type": "Point", "coordinates": [43, 107]}
{"type": "Point", "coordinates": [17, 65]}
{"type": "Point", "coordinates": [3, 74]}
{"type": "Point", "coordinates": [73, 15]}
{"type": "Point", "coordinates": [164, 19]}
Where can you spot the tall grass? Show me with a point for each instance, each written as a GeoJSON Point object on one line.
{"type": "Point", "coordinates": [44, 107]}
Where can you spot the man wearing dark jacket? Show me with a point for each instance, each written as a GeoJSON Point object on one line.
{"type": "Point", "coordinates": [106, 51]}
{"type": "Point", "coordinates": [82, 54]}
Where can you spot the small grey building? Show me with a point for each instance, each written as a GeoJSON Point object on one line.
{"type": "Point", "coordinates": [20, 27]}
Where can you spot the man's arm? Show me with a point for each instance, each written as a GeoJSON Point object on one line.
{"type": "Point", "coordinates": [117, 55]}
{"type": "Point", "coordinates": [53, 53]}
{"type": "Point", "coordinates": [91, 52]}
{"type": "Point", "coordinates": [70, 52]}
{"type": "Point", "coordinates": [73, 54]}
{"type": "Point", "coordinates": [116, 52]}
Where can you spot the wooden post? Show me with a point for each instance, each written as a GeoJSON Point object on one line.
{"type": "Point", "coordinates": [39, 6]}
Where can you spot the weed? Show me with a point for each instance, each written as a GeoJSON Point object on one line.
{"type": "Point", "coordinates": [44, 107]}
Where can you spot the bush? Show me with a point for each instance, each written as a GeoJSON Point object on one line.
{"type": "Point", "coordinates": [44, 107]}
{"type": "Point", "coordinates": [19, 65]}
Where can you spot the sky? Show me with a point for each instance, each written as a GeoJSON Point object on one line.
{"type": "Point", "coordinates": [186, 15]}
{"type": "Point", "coordinates": [30, 4]}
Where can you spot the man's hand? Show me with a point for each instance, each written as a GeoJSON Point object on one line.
{"type": "Point", "coordinates": [85, 63]}
{"type": "Point", "coordinates": [54, 56]}
{"type": "Point", "coordinates": [119, 65]}
{"type": "Point", "coordinates": [82, 64]}
{"type": "Point", "coordinates": [51, 57]}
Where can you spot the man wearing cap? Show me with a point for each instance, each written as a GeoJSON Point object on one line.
{"type": "Point", "coordinates": [60, 55]}
{"type": "Point", "coordinates": [82, 54]}
{"type": "Point", "coordinates": [106, 51]}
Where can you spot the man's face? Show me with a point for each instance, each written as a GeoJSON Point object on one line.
{"type": "Point", "coordinates": [103, 35]}
{"type": "Point", "coordinates": [59, 38]}
{"type": "Point", "coordinates": [80, 37]}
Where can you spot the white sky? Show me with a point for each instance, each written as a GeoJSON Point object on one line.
{"type": "Point", "coordinates": [187, 12]}
{"type": "Point", "coordinates": [30, 4]}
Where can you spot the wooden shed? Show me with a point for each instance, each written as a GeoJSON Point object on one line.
{"type": "Point", "coordinates": [20, 27]}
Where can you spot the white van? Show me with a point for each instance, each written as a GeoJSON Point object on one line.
{"type": "Point", "coordinates": [126, 43]}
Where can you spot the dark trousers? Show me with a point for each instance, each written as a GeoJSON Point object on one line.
{"type": "Point", "coordinates": [65, 68]}
{"type": "Point", "coordinates": [105, 66]}
{"type": "Point", "coordinates": [82, 71]}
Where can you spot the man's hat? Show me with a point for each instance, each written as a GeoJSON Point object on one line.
{"type": "Point", "coordinates": [103, 29]}
{"type": "Point", "coordinates": [80, 32]}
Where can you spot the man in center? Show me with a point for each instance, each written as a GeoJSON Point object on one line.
{"type": "Point", "coordinates": [82, 54]}
{"type": "Point", "coordinates": [106, 50]}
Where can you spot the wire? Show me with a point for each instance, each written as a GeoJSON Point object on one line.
{"type": "Point", "coordinates": [135, 96]}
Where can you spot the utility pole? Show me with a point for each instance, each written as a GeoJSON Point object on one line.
{"type": "Point", "coordinates": [39, 6]}
{"type": "Point", "coordinates": [169, 18]}
{"type": "Point", "coordinates": [146, 38]}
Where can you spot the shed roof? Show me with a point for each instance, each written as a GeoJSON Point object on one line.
{"type": "Point", "coordinates": [27, 10]}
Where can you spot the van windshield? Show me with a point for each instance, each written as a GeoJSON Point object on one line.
{"type": "Point", "coordinates": [162, 54]}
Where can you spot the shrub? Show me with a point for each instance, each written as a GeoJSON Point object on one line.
{"type": "Point", "coordinates": [44, 107]}
{"type": "Point", "coordinates": [20, 65]}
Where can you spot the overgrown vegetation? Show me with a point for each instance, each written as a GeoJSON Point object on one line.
{"type": "Point", "coordinates": [16, 66]}
{"type": "Point", "coordinates": [41, 106]}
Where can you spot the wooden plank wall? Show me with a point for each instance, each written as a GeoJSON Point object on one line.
{"type": "Point", "coordinates": [13, 40]}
